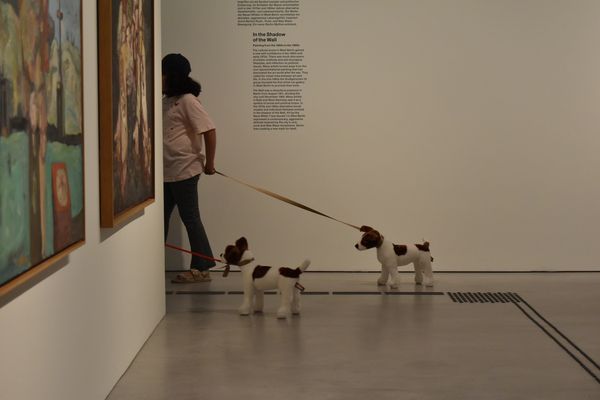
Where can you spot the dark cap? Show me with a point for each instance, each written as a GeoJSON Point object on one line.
{"type": "Point", "coordinates": [176, 64]}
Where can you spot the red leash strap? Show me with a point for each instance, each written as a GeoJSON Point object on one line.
{"type": "Point", "coordinates": [195, 254]}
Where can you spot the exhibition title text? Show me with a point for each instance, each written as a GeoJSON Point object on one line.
{"type": "Point", "coordinates": [266, 36]}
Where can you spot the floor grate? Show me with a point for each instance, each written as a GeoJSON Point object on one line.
{"type": "Point", "coordinates": [484, 297]}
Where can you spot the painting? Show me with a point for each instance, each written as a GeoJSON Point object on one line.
{"type": "Point", "coordinates": [126, 95]}
{"type": "Point", "coordinates": [41, 136]}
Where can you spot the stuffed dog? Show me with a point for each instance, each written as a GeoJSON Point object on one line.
{"type": "Point", "coordinates": [391, 256]}
{"type": "Point", "coordinates": [257, 278]}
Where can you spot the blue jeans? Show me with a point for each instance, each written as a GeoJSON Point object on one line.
{"type": "Point", "coordinates": [184, 195]}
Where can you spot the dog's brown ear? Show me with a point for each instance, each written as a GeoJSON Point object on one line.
{"type": "Point", "coordinates": [232, 255]}
{"type": "Point", "coordinates": [242, 244]}
{"type": "Point", "coordinates": [365, 228]}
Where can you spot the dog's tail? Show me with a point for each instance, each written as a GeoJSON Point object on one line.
{"type": "Point", "coordinates": [304, 265]}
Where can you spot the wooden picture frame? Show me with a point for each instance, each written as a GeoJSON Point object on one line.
{"type": "Point", "coordinates": [42, 188]}
{"type": "Point", "coordinates": [126, 108]}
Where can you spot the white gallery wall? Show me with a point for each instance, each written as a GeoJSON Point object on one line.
{"type": "Point", "coordinates": [73, 335]}
{"type": "Point", "coordinates": [472, 124]}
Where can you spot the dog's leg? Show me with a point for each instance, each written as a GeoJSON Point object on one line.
{"type": "Point", "coordinates": [425, 265]}
{"type": "Point", "coordinates": [246, 307]}
{"type": "Point", "coordinates": [296, 301]}
{"type": "Point", "coordinates": [418, 272]}
{"type": "Point", "coordinates": [383, 278]}
{"type": "Point", "coordinates": [259, 297]}
{"type": "Point", "coordinates": [286, 288]}
{"type": "Point", "coordinates": [394, 276]}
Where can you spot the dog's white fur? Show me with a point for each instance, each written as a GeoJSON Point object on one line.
{"type": "Point", "coordinates": [273, 279]}
{"type": "Point", "coordinates": [390, 261]}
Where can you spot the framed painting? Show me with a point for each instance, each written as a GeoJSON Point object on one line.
{"type": "Point", "coordinates": [42, 207]}
{"type": "Point", "coordinates": [126, 95]}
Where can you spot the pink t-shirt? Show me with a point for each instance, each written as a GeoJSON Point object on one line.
{"type": "Point", "coordinates": [184, 122]}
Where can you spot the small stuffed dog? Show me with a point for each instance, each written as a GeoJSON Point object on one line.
{"type": "Point", "coordinates": [392, 256]}
{"type": "Point", "coordinates": [257, 278]}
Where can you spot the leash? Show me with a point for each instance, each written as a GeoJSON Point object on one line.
{"type": "Point", "coordinates": [227, 266]}
{"type": "Point", "coordinates": [195, 253]}
{"type": "Point", "coordinates": [273, 195]}
{"type": "Point", "coordinates": [286, 200]}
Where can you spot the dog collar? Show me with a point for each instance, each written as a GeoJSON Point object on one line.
{"type": "Point", "coordinates": [241, 264]}
{"type": "Point", "coordinates": [228, 267]}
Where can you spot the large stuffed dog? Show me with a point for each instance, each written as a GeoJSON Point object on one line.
{"type": "Point", "coordinates": [391, 256]}
{"type": "Point", "coordinates": [257, 278]}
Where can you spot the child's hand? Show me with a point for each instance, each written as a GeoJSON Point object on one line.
{"type": "Point", "coordinates": [209, 169]}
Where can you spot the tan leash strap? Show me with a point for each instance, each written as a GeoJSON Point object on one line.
{"type": "Point", "coordinates": [286, 200]}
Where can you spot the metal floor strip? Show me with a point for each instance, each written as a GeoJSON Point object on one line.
{"type": "Point", "coordinates": [566, 344]}
{"type": "Point", "coordinates": [565, 347]}
{"type": "Point", "coordinates": [322, 293]}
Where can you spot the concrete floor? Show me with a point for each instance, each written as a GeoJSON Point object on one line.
{"type": "Point", "coordinates": [352, 342]}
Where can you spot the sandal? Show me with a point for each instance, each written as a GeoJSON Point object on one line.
{"type": "Point", "coordinates": [204, 276]}
{"type": "Point", "coordinates": [192, 276]}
